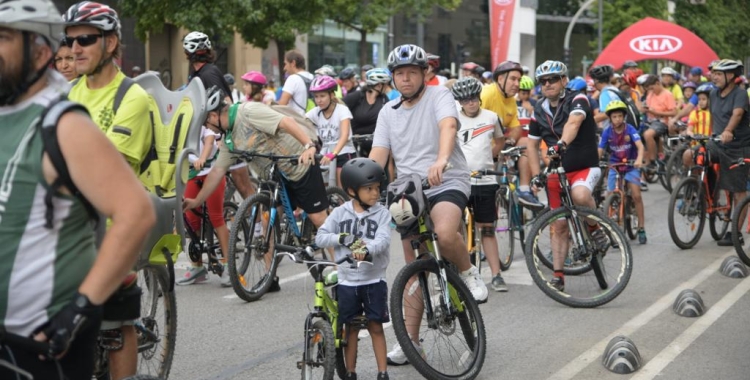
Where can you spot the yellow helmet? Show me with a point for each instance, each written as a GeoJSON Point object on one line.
{"type": "Point", "coordinates": [616, 105]}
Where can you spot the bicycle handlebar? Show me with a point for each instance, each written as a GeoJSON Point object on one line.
{"type": "Point", "coordinates": [740, 162]}
{"type": "Point", "coordinates": [25, 343]}
{"type": "Point", "coordinates": [303, 255]}
{"type": "Point", "coordinates": [514, 150]}
{"type": "Point", "coordinates": [485, 172]}
{"type": "Point", "coordinates": [293, 159]}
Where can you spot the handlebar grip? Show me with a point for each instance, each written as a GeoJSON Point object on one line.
{"type": "Point", "coordinates": [25, 343]}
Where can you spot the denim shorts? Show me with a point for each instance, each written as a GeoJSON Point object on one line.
{"type": "Point", "coordinates": [631, 176]}
{"type": "Point", "coordinates": [370, 300]}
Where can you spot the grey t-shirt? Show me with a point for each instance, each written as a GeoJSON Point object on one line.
{"type": "Point", "coordinates": [413, 136]}
{"type": "Point", "coordinates": [721, 112]}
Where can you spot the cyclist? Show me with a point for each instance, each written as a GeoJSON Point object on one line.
{"type": "Point", "coordinates": [624, 143]}
{"type": "Point", "coordinates": [419, 131]}
{"type": "Point", "coordinates": [481, 139]}
{"type": "Point", "coordinates": [257, 127]}
{"type": "Point", "coordinates": [699, 121]}
{"type": "Point", "coordinates": [294, 92]}
{"type": "Point", "coordinates": [660, 105]}
{"type": "Point", "coordinates": [349, 81]}
{"type": "Point", "coordinates": [471, 69]}
{"type": "Point", "coordinates": [432, 79]}
{"type": "Point", "coordinates": [54, 281]}
{"type": "Point", "coordinates": [602, 76]}
{"type": "Point", "coordinates": [362, 74]}
{"type": "Point", "coordinates": [524, 102]}
{"type": "Point", "coordinates": [669, 79]}
{"type": "Point", "coordinates": [729, 118]}
{"type": "Point", "coordinates": [361, 227]}
{"type": "Point", "coordinates": [333, 120]}
{"type": "Point", "coordinates": [366, 105]}
{"type": "Point", "coordinates": [499, 98]}
{"type": "Point", "coordinates": [65, 62]}
{"type": "Point", "coordinates": [254, 88]}
{"type": "Point", "coordinates": [92, 31]}
{"type": "Point", "coordinates": [565, 121]}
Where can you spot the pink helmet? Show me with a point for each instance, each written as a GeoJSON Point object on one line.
{"type": "Point", "coordinates": [323, 83]}
{"type": "Point", "coordinates": [255, 77]}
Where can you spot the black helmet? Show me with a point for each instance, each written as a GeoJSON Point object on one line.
{"type": "Point", "coordinates": [347, 73]}
{"type": "Point", "coordinates": [602, 73]}
{"type": "Point", "coordinates": [361, 171]}
{"type": "Point", "coordinates": [505, 67]}
{"type": "Point", "coordinates": [629, 64]}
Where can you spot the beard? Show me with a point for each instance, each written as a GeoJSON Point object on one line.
{"type": "Point", "coordinates": [10, 81]}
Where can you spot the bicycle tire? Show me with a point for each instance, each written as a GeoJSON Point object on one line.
{"type": "Point", "coordinates": [159, 342]}
{"type": "Point", "coordinates": [230, 213]}
{"type": "Point", "coordinates": [675, 171]}
{"type": "Point", "coordinates": [469, 320]}
{"type": "Point", "coordinates": [584, 290]}
{"type": "Point", "coordinates": [504, 234]}
{"type": "Point", "coordinates": [249, 208]}
{"type": "Point", "coordinates": [738, 226]}
{"type": "Point", "coordinates": [340, 354]}
{"type": "Point", "coordinates": [631, 218]}
{"type": "Point", "coordinates": [336, 197]}
{"type": "Point", "coordinates": [688, 191]}
{"type": "Point", "coordinates": [720, 218]}
{"type": "Point", "coordinates": [325, 358]}
{"type": "Point", "coordinates": [611, 208]}
{"type": "Point", "coordinates": [572, 267]}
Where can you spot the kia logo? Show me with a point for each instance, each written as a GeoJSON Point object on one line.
{"type": "Point", "coordinates": [655, 44]}
{"type": "Point", "coordinates": [503, 2]}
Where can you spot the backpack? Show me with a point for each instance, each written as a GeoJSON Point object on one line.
{"type": "Point", "coordinates": [310, 98]}
{"type": "Point", "coordinates": [633, 116]}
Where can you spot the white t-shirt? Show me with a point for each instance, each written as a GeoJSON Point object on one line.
{"type": "Point", "coordinates": [329, 129]}
{"type": "Point", "coordinates": [205, 132]}
{"type": "Point", "coordinates": [296, 87]}
{"type": "Point", "coordinates": [475, 137]}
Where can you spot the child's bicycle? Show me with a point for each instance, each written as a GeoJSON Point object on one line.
{"type": "Point", "coordinates": [442, 314]}
{"type": "Point", "coordinates": [695, 196]}
{"type": "Point", "coordinates": [619, 205]}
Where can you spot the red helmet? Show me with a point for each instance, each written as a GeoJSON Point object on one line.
{"type": "Point", "coordinates": [469, 66]}
{"type": "Point", "coordinates": [433, 60]}
{"type": "Point", "coordinates": [631, 78]}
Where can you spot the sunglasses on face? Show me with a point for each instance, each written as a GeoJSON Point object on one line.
{"type": "Point", "coordinates": [83, 40]}
{"type": "Point", "coordinates": [464, 102]}
{"type": "Point", "coordinates": [551, 80]}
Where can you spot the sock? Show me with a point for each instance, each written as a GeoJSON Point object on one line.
{"type": "Point", "coordinates": [559, 274]}
{"type": "Point", "coordinates": [524, 188]}
{"type": "Point", "coordinates": [593, 228]}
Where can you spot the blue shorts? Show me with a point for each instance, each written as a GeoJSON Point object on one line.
{"type": "Point", "coordinates": [370, 300]}
{"type": "Point", "coordinates": [631, 176]}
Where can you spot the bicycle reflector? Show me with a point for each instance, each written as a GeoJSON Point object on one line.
{"type": "Point", "coordinates": [621, 356]}
{"type": "Point", "coordinates": [733, 267]}
{"type": "Point", "coordinates": [689, 304]}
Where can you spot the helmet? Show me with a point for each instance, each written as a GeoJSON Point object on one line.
{"type": "Point", "coordinates": [616, 105]}
{"type": "Point", "coordinates": [551, 68]}
{"type": "Point", "coordinates": [326, 70]}
{"type": "Point", "coordinates": [669, 71]}
{"type": "Point", "coordinates": [631, 78]}
{"type": "Point", "coordinates": [365, 68]}
{"type": "Point", "coordinates": [629, 64]}
{"type": "Point", "coordinates": [526, 83]}
{"type": "Point", "coordinates": [98, 15]}
{"type": "Point", "coordinates": [433, 60]}
{"type": "Point", "coordinates": [323, 83]}
{"type": "Point", "coordinates": [479, 70]}
{"type": "Point", "coordinates": [214, 99]}
{"type": "Point", "coordinates": [377, 76]}
{"type": "Point", "coordinates": [37, 16]}
{"type": "Point", "coordinates": [347, 73]}
{"type": "Point", "coordinates": [705, 88]}
{"type": "Point", "coordinates": [712, 64]}
{"type": "Point", "coordinates": [728, 65]}
{"type": "Point", "coordinates": [643, 79]}
{"type": "Point", "coordinates": [407, 55]}
{"type": "Point", "coordinates": [525, 70]}
{"type": "Point", "coordinates": [487, 74]}
{"type": "Point", "coordinates": [361, 171]}
{"type": "Point", "coordinates": [590, 85]}
{"type": "Point", "coordinates": [196, 41]}
{"type": "Point", "coordinates": [255, 77]}
{"type": "Point", "coordinates": [505, 67]}
{"type": "Point", "coordinates": [690, 85]}
{"type": "Point", "coordinates": [469, 66]}
{"type": "Point", "coordinates": [466, 88]}
{"type": "Point", "coordinates": [602, 73]}
{"type": "Point", "coordinates": [696, 71]}
{"type": "Point", "coordinates": [229, 78]}
{"type": "Point", "coordinates": [577, 84]}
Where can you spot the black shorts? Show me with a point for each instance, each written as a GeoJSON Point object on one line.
{"type": "Point", "coordinates": [456, 197]}
{"type": "Point", "coordinates": [341, 159]}
{"type": "Point", "coordinates": [660, 128]}
{"type": "Point", "coordinates": [482, 203]}
{"type": "Point", "coordinates": [309, 193]}
{"type": "Point", "coordinates": [370, 300]}
{"type": "Point", "coordinates": [732, 180]}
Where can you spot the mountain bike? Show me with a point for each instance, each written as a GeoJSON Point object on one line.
{"type": "Point", "coordinates": [593, 277]}
{"type": "Point", "coordinates": [695, 196]}
{"type": "Point", "coordinates": [675, 170]}
{"type": "Point", "coordinates": [252, 265]}
{"type": "Point", "coordinates": [619, 205]}
{"type": "Point", "coordinates": [451, 325]}
{"type": "Point", "coordinates": [741, 222]}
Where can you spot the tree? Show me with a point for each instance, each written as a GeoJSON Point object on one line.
{"type": "Point", "coordinates": [722, 24]}
{"type": "Point", "coordinates": [620, 14]}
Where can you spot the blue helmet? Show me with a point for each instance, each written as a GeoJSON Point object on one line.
{"type": "Point", "coordinates": [577, 84]}
{"type": "Point", "coordinates": [705, 88]}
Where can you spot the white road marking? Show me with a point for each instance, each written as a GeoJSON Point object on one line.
{"type": "Point", "coordinates": [593, 354]}
{"type": "Point", "coordinates": [684, 340]}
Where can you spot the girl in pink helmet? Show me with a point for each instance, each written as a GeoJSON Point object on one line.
{"type": "Point", "coordinates": [255, 88]}
{"type": "Point", "coordinates": [333, 121]}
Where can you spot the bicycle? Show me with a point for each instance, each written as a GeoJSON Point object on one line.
{"type": "Point", "coordinates": [695, 196]}
{"type": "Point", "coordinates": [675, 170]}
{"type": "Point", "coordinates": [619, 205]}
{"type": "Point", "coordinates": [251, 266]}
{"type": "Point", "coordinates": [741, 222]}
{"type": "Point", "coordinates": [592, 277]}
{"type": "Point", "coordinates": [446, 305]}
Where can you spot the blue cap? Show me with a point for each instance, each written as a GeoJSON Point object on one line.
{"type": "Point", "coordinates": [696, 71]}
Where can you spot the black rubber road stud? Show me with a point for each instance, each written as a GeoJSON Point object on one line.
{"type": "Point", "coordinates": [689, 304]}
{"type": "Point", "coordinates": [733, 267]}
{"type": "Point", "coordinates": [621, 356]}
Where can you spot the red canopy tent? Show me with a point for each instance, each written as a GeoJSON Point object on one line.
{"type": "Point", "coordinates": [652, 38]}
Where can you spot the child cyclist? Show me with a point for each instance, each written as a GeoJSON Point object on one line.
{"type": "Point", "coordinates": [625, 144]}
{"type": "Point", "coordinates": [481, 138]}
{"type": "Point", "coordinates": [361, 227]}
{"type": "Point", "coordinates": [333, 120]}
{"type": "Point", "coordinates": [699, 121]}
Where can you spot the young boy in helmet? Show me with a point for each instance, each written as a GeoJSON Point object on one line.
{"type": "Point", "coordinates": [361, 228]}
{"type": "Point", "coordinates": [624, 143]}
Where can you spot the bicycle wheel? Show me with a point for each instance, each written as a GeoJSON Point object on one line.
{"type": "Point", "coordinates": [686, 215]}
{"type": "Point", "coordinates": [590, 288]}
{"type": "Point", "coordinates": [336, 197]}
{"type": "Point", "coordinates": [243, 235]}
{"type": "Point", "coordinates": [156, 329]}
{"type": "Point", "coordinates": [250, 275]}
{"type": "Point", "coordinates": [611, 208]}
{"type": "Point", "coordinates": [452, 336]}
{"type": "Point", "coordinates": [720, 219]}
{"type": "Point", "coordinates": [340, 355]}
{"type": "Point", "coordinates": [741, 225]}
{"type": "Point", "coordinates": [674, 170]}
{"type": "Point", "coordinates": [631, 218]}
{"type": "Point", "coordinates": [504, 231]}
{"type": "Point", "coordinates": [320, 362]}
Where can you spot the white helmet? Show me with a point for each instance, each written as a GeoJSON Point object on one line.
{"type": "Point", "coordinates": [97, 15]}
{"type": "Point", "coordinates": [551, 68]}
{"type": "Point", "coordinates": [669, 71]}
{"type": "Point", "coordinates": [36, 16]}
{"type": "Point", "coordinates": [641, 80]}
{"type": "Point", "coordinates": [195, 41]}
{"type": "Point", "coordinates": [376, 76]}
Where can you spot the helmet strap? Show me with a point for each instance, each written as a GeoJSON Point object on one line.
{"type": "Point", "coordinates": [410, 98]}
{"type": "Point", "coordinates": [330, 102]}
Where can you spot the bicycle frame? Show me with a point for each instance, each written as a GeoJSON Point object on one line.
{"type": "Point", "coordinates": [199, 243]}
{"type": "Point", "coordinates": [566, 200]}
{"type": "Point", "coordinates": [620, 189]}
{"type": "Point", "coordinates": [702, 162]}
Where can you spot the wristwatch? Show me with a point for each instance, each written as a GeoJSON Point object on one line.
{"type": "Point", "coordinates": [308, 145]}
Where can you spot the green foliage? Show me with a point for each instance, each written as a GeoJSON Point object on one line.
{"type": "Point", "coordinates": [559, 7]}
{"type": "Point", "coordinates": [620, 14]}
{"type": "Point", "coordinates": [278, 20]}
{"type": "Point", "coordinates": [721, 23]}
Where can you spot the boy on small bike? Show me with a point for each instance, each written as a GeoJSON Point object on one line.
{"type": "Point", "coordinates": [624, 142]}
{"type": "Point", "coordinates": [361, 228]}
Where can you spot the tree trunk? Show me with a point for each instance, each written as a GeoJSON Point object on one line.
{"type": "Point", "coordinates": [280, 52]}
{"type": "Point", "coordinates": [362, 48]}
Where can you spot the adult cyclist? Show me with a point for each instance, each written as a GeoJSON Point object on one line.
{"type": "Point", "coordinates": [565, 121]}
{"type": "Point", "coordinates": [419, 130]}
{"type": "Point", "coordinates": [53, 280]}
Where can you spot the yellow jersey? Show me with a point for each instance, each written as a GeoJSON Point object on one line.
{"type": "Point", "coordinates": [700, 122]}
{"type": "Point", "coordinates": [505, 108]}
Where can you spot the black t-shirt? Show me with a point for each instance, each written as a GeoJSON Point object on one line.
{"type": "Point", "coordinates": [548, 123]}
{"type": "Point", "coordinates": [364, 115]}
{"type": "Point", "coordinates": [721, 112]}
{"type": "Point", "coordinates": [211, 76]}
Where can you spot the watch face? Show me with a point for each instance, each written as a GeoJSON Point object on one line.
{"type": "Point", "coordinates": [81, 301]}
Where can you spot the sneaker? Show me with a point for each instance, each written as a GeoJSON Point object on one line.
{"type": "Point", "coordinates": [195, 275]}
{"type": "Point", "coordinates": [642, 236]}
{"type": "Point", "coordinates": [225, 281]}
{"type": "Point", "coordinates": [383, 376]}
{"type": "Point", "coordinates": [600, 239]}
{"type": "Point", "coordinates": [275, 287]}
{"type": "Point", "coordinates": [498, 284]}
{"type": "Point", "coordinates": [644, 185]}
{"type": "Point", "coordinates": [350, 376]}
{"type": "Point", "coordinates": [529, 200]}
{"type": "Point", "coordinates": [397, 357]}
{"type": "Point", "coordinates": [474, 282]}
{"type": "Point", "coordinates": [726, 241]}
{"type": "Point", "coordinates": [558, 283]}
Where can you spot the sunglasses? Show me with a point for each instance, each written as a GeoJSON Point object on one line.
{"type": "Point", "coordinates": [551, 80]}
{"type": "Point", "coordinates": [83, 40]}
{"type": "Point", "coordinates": [467, 101]}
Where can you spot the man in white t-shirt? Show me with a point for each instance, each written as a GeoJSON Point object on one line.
{"type": "Point", "coordinates": [295, 88]}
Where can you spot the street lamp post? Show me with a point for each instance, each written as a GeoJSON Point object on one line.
{"type": "Point", "coordinates": [566, 45]}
